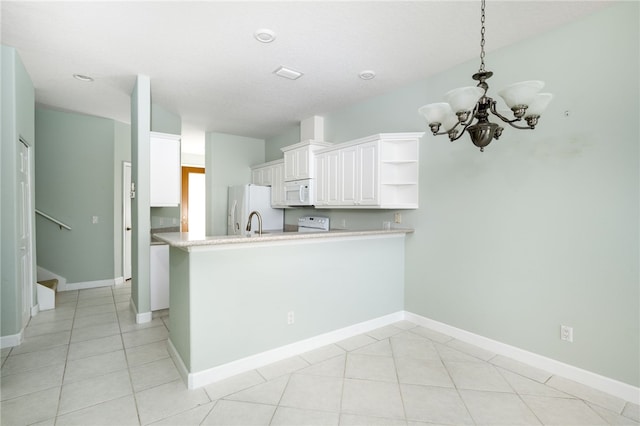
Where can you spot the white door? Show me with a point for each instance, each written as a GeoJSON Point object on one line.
{"type": "Point", "coordinates": [126, 221]}
{"type": "Point", "coordinates": [24, 230]}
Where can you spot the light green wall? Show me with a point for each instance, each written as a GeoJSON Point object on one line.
{"type": "Point", "coordinates": [75, 181]}
{"type": "Point", "coordinates": [17, 121]}
{"type": "Point", "coordinates": [256, 300]}
{"type": "Point", "coordinates": [228, 161]}
{"type": "Point", "coordinates": [165, 121]}
{"type": "Point", "coordinates": [287, 138]}
{"type": "Point", "coordinates": [542, 228]}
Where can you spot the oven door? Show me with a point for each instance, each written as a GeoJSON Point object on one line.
{"type": "Point", "coordinates": [299, 192]}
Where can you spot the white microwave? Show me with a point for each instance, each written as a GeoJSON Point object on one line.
{"type": "Point", "coordinates": [299, 192]}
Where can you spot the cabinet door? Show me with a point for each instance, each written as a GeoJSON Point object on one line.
{"type": "Point", "coordinates": [321, 180]}
{"type": "Point", "coordinates": [303, 165]}
{"type": "Point", "coordinates": [332, 177]}
{"type": "Point", "coordinates": [347, 173]}
{"type": "Point", "coordinates": [164, 171]}
{"type": "Point", "coordinates": [367, 189]}
{"type": "Point", "coordinates": [290, 165]}
{"type": "Point", "coordinates": [277, 185]}
{"type": "Point", "coordinates": [256, 176]}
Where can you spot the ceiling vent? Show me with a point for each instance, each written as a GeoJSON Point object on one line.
{"type": "Point", "coordinates": [288, 73]}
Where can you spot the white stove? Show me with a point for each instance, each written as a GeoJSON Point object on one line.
{"type": "Point", "coordinates": [313, 224]}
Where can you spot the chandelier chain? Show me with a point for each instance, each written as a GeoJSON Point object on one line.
{"type": "Point", "coordinates": [482, 19]}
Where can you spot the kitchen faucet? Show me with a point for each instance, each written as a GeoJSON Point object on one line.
{"type": "Point", "coordinates": [259, 221]}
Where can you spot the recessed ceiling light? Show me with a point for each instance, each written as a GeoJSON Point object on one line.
{"type": "Point", "coordinates": [288, 73]}
{"type": "Point", "coordinates": [367, 75]}
{"type": "Point", "coordinates": [82, 77]}
{"type": "Point", "coordinates": [264, 35]}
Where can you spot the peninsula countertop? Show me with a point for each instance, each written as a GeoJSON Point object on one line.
{"type": "Point", "coordinates": [186, 240]}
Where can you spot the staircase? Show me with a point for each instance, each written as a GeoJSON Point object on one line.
{"type": "Point", "coordinates": [47, 294]}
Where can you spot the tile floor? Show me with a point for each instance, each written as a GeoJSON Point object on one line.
{"type": "Point", "coordinates": [88, 363]}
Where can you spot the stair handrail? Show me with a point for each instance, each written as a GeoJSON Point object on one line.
{"type": "Point", "coordinates": [54, 220]}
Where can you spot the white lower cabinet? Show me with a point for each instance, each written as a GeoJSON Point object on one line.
{"type": "Point", "coordinates": [159, 276]}
{"type": "Point", "coordinates": [164, 170]}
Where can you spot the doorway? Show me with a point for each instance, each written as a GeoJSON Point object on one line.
{"type": "Point", "coordinates": [126, 220]}
{"type": "Point", "coordinates": [193, 200]}
{"type": "Point", "coordinates": [25, 246]}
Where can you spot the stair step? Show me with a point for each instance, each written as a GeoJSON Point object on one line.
{"type": "Point", "coordinates": [52, 283]}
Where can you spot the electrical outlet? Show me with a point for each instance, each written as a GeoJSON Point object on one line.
{"type": "Point", "coordinates": [94, 219]}
{"type": "Point", "coordinates": [291, 318]}
{"type": "Point", "coordinates": [398, 217]}
{"type": "Point", "coordinates": [566, 333]}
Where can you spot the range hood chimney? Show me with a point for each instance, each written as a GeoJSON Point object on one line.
{"type": "Point", "coordinates": [312, 128]}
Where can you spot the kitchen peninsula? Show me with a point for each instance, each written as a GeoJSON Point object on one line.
{"type": "Point", "coordinates": [238, 303]}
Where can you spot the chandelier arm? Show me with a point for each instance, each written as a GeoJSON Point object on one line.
{"type": "Point", "coordinates": [510, 122]}
{"type": "Point", "coordinates": [466, 124]}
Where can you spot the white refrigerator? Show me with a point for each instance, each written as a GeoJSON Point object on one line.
{"type": "Point", "coordinates": [243, 200]}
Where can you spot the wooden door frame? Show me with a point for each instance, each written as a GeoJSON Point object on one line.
{"type": "Point", "coordinates": [184, 205]}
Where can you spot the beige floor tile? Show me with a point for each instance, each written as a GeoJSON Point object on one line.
{"type": "Point", "coordinates": [94, 310]}
{"type": "Point", "coordinates": [384, 332]}
{"type": "Point", "coordinates": [381, 348]}
{"type": "Point", "coordinates": [313, 393]}
{"type": "Point", "coordinates": [408, 345]}
{"type": "Point", "coordinates": [369, 367]}
{"type": "Point", "coordinates": [285, 416]}
{"type": "Point", "coordinates": [434, 405]}
{"type": "Point", "coordinates": [612, 418]}
{"type": "Point", "coordinates": [230, 413]}
{"type": "Point", "coordinates": [153, 374]}
{"type": "Point", "coordinates": [92, 293]}
{"type": "Point", "coordinates": [95, 332]}
{"type": "Point", "coordinates": [193, 417]}
{"type": "Point", "coordinates": [525, 386]}
{"type": "Point", "coordinates": [451, 354]}
{"type": "Point", "coordinates": [423, 372]}
{"type": "Point", "coordinates": [167, 400]}
{"type": "Point", "coordinates": [96, 365]}
{"type": "Point", "coordinates": [632, 411]}
{"type": "Point", "coordinates": [376, 399]}
{"type": "Point", "coordinates": [19, 384]}
{"type": "Point", "coordinates": [355, 420]}
{"type": "Point", "coordinates": [588, 394]}
{"type": "Point", "coordinates": [281, 368]}
{"type": "Point", "coordinates": [60, 313]}
{"type": "Point", "coordinates": [431, 334]}
{"type": "Point", "coordinates": [142, 337]}
{"type": "Point", "coordinates": [45, 341]}
{"type": "Point", "coordinates": [477, 376]}
{"type": "Point", "coordinates": [333, 367]}
{"type": "Point", "coordinates": [40, 328]}
{"type": "Point", "coordinates": [95, 301]}
{"type": "Point", "coordinates": [150, 352]}
{"type": "Point", "coordinates": [322, 354]}
{"type": "Point", "coordinates": [520, 368]}
{"type": "Point", "coordinates": [31, 408]}
{"type": "Point", "coordinates": [97, 319]}
{"type": "Point", "coordinates": [496, 408]}
{"type": "Point", "coordinates": [356, 342]}
{"type": "Point", "coordinates": [95, 390]}
{"type": "Point", "coordinates": [471, 349]}
{"type": "Point", "coordinates": [33, 360]}
{"type": "Point", "coordinates": [121, 412]}
{"type": "Point", "coordinates": [269, 393]}
{"type": "Point", "coordinates": [94, 347]}
{"type": "Point", "coordinates": [128, 323]}
{"type": "Point", "coordinates": [233, 384]}
{"type": "Point", "coordinates": [562, 411]}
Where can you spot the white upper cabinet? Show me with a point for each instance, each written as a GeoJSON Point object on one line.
{"type": "Point", "coordinates": [164, 170]}
{"type": "Point", "coordinates": [271, 174]}
{"type": "Point", "coordinates": [380, 171]}
{"type": "Point", "coordinates": [299, 160]}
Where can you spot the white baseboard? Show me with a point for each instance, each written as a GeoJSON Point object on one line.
{"type": "Point", "coordinates": [35, 310]}
{"type": "Point", "coordinates": [212, 375]}
{"type": "Point", "coordinates": [588, 378]}
{"type": "Point", "coordinates": [118, 281]}
{"type": "Point", "coordinates": [11, 340]}
{"type": "Point", "coordinates": [143, 317]}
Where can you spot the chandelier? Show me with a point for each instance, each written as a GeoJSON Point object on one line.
{"type": "Point", "coordinates": [468, 103]}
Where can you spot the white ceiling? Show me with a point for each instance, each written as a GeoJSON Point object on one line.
{"type": "Point", "coordinates": [206, 66]}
